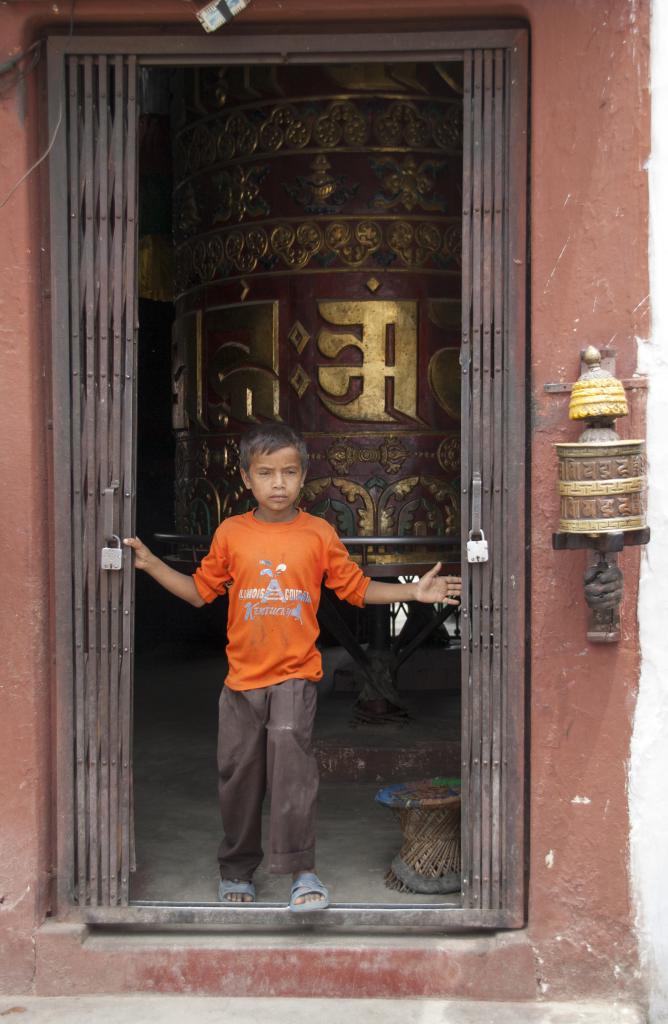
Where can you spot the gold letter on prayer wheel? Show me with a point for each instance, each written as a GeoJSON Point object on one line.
{"type": "Point", "coordinates": [387, 388]}
{"type": "Point", "coordinates": [244, 366]}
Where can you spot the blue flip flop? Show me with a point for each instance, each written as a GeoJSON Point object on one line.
{"type": "Point", "coordinates": [306, 885]}
{"type": "Point", "coordinates": [229, 887]}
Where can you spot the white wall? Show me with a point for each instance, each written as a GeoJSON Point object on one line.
{"type": "Point", "coordinates": [648, 774]}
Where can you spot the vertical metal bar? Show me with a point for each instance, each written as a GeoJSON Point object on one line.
{"type": "Point", "coordinates": [129, 398]}
{"type": "Point", "coordinates": [75, 206]}
{"type": "Point", "coordinates": [476, 469]}
{"type": "Point", "coordinates": [131, 511]}
{"type": "Point", "coordinates": [496, 539]}
{"type": "Point", "coordinates": [465, 360]}
{"type": "Point", "coordinates": [91, 484]}
{"type": "Point", "coordinates": [105, 478]}
{"type": "Point", "coordinates": [514, 475]}
{"type": "Point", "coordinates": [59, 117]}
{"type": "Point", "coordinates": [115, 610]}
{"type": "Point", "coordinates": [506, 711]}
{"type": "Point", "coordinates": [487, 430]}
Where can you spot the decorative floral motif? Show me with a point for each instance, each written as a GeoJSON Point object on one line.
{"type": "Point", "coordinates": [414, 244]}
{"type": "Point", "coordinates": [244, 248]}
{"type": "Point", "coordinates": [436, 499]}
{"type": "Point", "coordinates": [408, 184]}
{"type": "Point", "coordinates": [341, 123]}
{"type": "Point", "coordinates": [296, 247]}
{"type": "Point", "coordinates": [313, 488]}
{"type": "Point", "coordinates": [239, 194]}
{"type": "Point", "coordinates": [232, 135]}
{"type": "Point", "coordinates": [236, 136]}
{"type": "Point", "coordinates": [402, 124]}
{"type": "Point", "coordinates": [284, 126]}
{"type": "Point", "coordinates": [449, 453]}
{"type": "Point", "coordinates": [207, 257]}
{"type": "Point", "coordinates": [354, 492]}
{"type": "Point", "coordinates": [447, 126]}
{"type": "Point", "coordinates": [353, 243]}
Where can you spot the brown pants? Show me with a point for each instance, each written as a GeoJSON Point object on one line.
{"type": "Point", "coordinates": [264, 743]}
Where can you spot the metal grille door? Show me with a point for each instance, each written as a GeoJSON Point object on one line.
{"type": "Point", "coordinates": [493, 383]}
{"type": "Point", "coordinates": [93, 245]}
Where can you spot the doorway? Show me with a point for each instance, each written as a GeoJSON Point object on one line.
{"type": "Point", "coordinates": [95, 790]}
{"type": "Point", "coordinates": [363, 163]}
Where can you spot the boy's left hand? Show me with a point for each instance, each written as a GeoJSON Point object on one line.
{"type": "Point", "coordinates": [435, 589]}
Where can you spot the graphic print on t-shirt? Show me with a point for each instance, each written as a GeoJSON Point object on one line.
{"type": "Point", "coordinates": [259, 601]}
{"type": "Point", "coordinates": [273, 591]}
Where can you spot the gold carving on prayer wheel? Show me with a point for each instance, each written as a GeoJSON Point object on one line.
{"type": "Point", "coordinates": [391, 454]}
{"type": "Point", "coordinates": [601, 486]}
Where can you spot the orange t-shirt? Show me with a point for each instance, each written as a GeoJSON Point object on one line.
{"type": "Point", "coordinates": [272, 573]}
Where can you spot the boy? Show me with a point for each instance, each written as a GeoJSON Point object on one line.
{"type": "Point", "coordinates": [271, 562]}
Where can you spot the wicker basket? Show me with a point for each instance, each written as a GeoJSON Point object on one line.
{"type": "Point", "coordinates": [429, 815]}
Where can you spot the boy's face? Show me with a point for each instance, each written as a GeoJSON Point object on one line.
{"type": "Point", "coordinates": [275, 480]}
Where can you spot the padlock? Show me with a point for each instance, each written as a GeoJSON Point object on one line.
{"type": "Point", "coordinates": [112, 558]}
{"type": "Point", "coordinates": [477, 550]}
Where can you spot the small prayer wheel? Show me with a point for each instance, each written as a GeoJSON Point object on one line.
{"type": "Point", "coordinates": [601, 491]}
{"type": "Point", "coordinates": [601, 477]}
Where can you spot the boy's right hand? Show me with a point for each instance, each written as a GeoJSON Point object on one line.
{"type": "Point", "coordinates": [178, 583]}
{"type": "Point", "coordinates": [143, 555]}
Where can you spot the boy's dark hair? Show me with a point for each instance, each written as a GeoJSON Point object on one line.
{"type": "Point", "coordinates": [268, 438]}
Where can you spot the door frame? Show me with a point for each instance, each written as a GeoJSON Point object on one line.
{"type": "Point", "coordinates": [239, 47]}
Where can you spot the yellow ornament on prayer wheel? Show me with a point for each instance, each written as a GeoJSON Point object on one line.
{"type": "Point", "coordinates": [597, 393]}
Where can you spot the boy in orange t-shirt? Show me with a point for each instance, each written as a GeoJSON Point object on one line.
{"type": "Point", "coordinates": [271, 563]}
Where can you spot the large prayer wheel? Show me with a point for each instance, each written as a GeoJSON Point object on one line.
{"type": "Point", "coordinates": [317, 214]}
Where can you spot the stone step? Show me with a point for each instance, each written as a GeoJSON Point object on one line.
{"type": "Point", "coordinates": [150, 1009]}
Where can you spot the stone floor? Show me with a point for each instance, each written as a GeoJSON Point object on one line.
{"type": "Point", "coordinates": [357, 839]}
{"type": "Point", "coordinates": [176, 814]}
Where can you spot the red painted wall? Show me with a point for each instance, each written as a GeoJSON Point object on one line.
{"type": "Point", "coordinates": [588, 283]}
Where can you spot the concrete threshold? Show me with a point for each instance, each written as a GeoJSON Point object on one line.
{"type": "Point", "coordinates": [149, 1009]}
